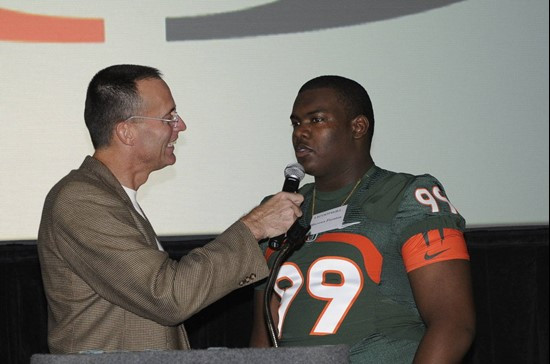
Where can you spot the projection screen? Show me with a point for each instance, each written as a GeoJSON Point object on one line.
{"type": "Point", "coordinates": [459, 88]}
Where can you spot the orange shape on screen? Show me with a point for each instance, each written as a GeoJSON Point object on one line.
{"type": "Point", "coordinates": [23, 27]}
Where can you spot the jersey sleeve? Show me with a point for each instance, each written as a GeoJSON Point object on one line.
{"type": "Point", "coordinates": [428, 226]}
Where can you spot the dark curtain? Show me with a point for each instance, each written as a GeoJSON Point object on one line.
{"type": "Point", "coordinates": [510, 280]}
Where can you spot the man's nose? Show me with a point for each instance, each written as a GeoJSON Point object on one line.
{"type": "Point", "coordinates": [301, 130]}
{"type": "Point", "coordinates": [181, 126]}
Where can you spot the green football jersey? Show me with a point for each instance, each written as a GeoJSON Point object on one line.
{"type": "Point", "coordinates": [349, 284]}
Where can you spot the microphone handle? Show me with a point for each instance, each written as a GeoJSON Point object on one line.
{"type": "Point", "coordinates": [291, 185]}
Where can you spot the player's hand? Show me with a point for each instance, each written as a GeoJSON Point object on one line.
{"type": "Point", "coordinates": [275, 216]}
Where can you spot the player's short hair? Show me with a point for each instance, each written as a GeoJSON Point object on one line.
{"type": "Point", "coordinates": [353, 96]}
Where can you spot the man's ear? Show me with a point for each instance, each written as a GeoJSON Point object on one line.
{"type": "Point", "coordinates": [124, 133]}
{"type": "Point", "coordinates": [360, 126]}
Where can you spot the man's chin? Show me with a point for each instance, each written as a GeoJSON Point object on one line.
{"type": "Point", "coordinates": [303, 160]}
{"type": "Point", "coordinates": [168, 162]}
{"type": "Point", "coordinates": [309, 166]}
{"type": "Point", "coordinates": [172, 161]}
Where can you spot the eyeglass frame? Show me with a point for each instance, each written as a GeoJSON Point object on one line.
{"type": "Point", "coordinates": [174, 121]}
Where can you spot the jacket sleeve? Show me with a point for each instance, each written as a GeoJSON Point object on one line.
{"type": "Point", "coordinates": [103, 241]}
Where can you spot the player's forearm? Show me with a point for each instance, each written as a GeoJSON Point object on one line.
{"type": "Point", "coordinates": [446, 343]}
{"type": "Point", "coordinates": [259, 337]}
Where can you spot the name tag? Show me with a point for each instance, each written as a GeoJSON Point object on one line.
{"type": "Point", "coordinates": [329, 220]}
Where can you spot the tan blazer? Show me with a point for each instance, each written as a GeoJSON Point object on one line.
{"type": "Point", "coordinates": [108, 285]}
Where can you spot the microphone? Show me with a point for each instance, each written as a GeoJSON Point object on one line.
{"type": "Point", "coordinates": [294, 173]}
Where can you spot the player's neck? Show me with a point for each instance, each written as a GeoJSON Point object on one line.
{"type": "Point", "coordinates": [336, 181]}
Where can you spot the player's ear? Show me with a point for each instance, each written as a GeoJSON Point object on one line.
{"type": "Point", "coordinates": [360, 126]}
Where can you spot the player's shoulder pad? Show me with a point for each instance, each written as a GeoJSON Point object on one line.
{"type": "Point", "coordinates": [384, 195]}
{"type": "Point", "coordinates": [426, 193]}
{"type": "Point", "coordinates": [425, 206]}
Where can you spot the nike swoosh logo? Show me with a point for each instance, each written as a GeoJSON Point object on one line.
{"type": "Point", "coordinates": [349, 224]}
{"type": "Point", "coordinates": [428, 256]}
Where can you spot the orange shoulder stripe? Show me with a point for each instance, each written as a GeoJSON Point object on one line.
{"type": "Point", "coordinates": [420, 251]}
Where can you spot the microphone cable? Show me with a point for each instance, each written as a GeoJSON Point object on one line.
{"type": "Point", "coordinates": [295, 238]}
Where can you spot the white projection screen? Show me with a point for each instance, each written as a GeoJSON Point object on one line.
{"type": "Point", "coordinates": [459, 88]}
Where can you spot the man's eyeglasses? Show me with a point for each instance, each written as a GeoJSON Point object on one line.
{"type": "Point", "coordinates": [172, 122]}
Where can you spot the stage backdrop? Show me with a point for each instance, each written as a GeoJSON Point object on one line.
{"type": "Point", "coordinates": [460, 90]}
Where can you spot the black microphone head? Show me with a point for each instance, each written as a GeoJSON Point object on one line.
{"type": "Point", "coordinates": [295, 171]}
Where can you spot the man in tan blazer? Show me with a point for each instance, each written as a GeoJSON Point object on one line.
{"type": "Point", "coordinates": [108, 283]}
